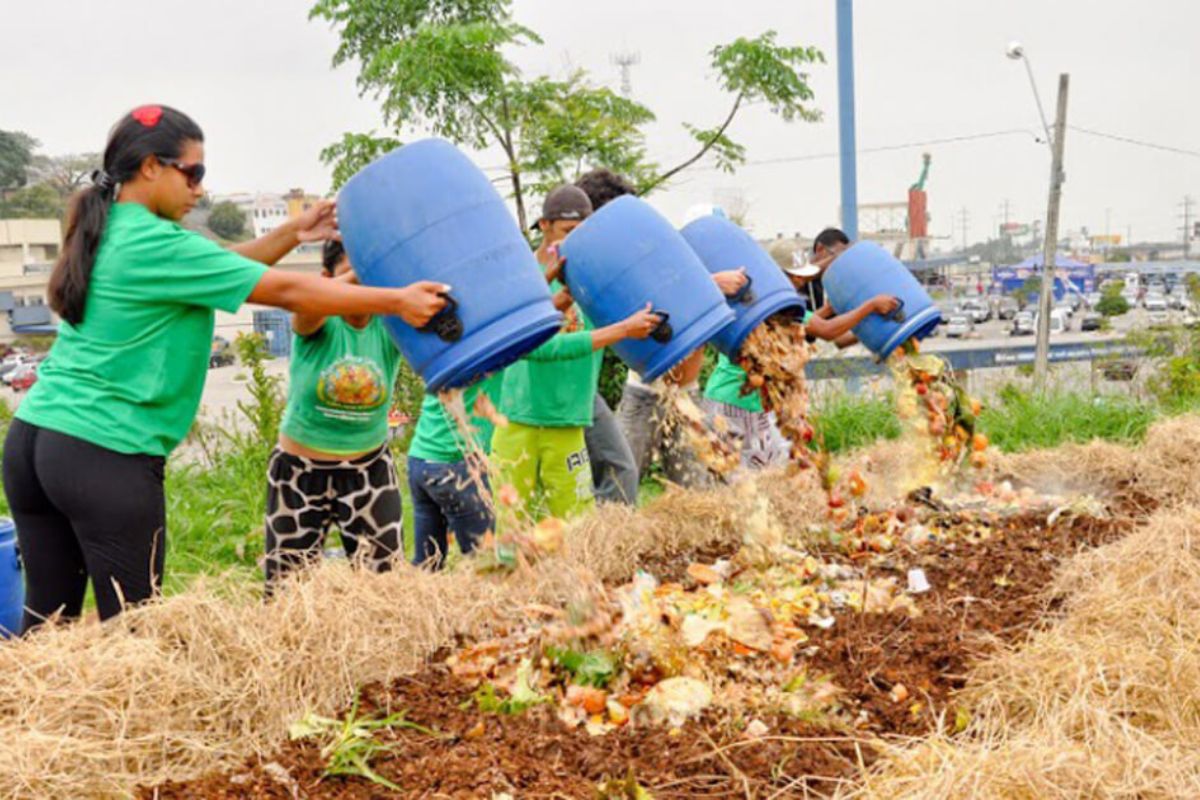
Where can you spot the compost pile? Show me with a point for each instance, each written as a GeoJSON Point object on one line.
{"type": "Point", "coordinates": [772, 663]}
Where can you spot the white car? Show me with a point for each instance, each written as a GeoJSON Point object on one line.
{"type": "Point", "coordinates": [959, 326]}
{"type": "Point", "coordinates": [1155, 303]}
{"type": "Point", "coordinates": [977, 310]}
{"type": "Point", "coordinates": [1059, 322]}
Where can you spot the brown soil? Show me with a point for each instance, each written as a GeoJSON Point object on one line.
{"type": "Point", "coordinates": [535, 756]}
{"type": "Point", "coordinates": [983, 592]}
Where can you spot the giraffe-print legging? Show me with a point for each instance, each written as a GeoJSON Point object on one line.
{"type": "Point", "coordinates": [306, 497]}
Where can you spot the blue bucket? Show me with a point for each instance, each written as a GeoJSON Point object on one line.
{"type": "Point", "coordinates": [426, 212]}
{"type": "Point", "coordinates": [12, 587]}
{"type": "Point", "coordinates": [626, 255]}
{"type": "Point", "coordinates": [722, 245]}
{"type": "Point", "coordinates": [865, 270]}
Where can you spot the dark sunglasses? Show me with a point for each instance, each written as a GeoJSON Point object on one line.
{"type": "Point", "coordinates": [193, 172]}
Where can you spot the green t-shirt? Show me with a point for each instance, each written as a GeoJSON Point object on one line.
{"type": "Point", "coordinates": [438, 439]}
{"type": "Point", "coordinates": [726, 382]}
{"type": "Point", "coordinates": [725, 386]}
{"type": "Point", "coordinates": [554, 386]}
{"type": "Point", "coordinates": [340, 387]}
{"type": "Point", "coordinates": [130, 375]}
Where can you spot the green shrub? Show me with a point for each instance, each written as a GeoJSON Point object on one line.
{"type": "Point", "coordinates": [843, 421]}
{"type": "Point", "coordinates": [1024, 420]}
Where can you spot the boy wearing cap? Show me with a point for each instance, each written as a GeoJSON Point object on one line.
{"type": "Point", "coordinates": [762, 444]}
{"type": "Point", "coordinates": [547, 396]}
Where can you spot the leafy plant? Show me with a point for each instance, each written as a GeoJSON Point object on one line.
{"type": "Point", "coordinates": [594, 668]}
{"type": "Point", "coordinates": [350, 744]}
{"type": "Point", "coordinates": [522, 697]}
{"type": "Point", "coordinates": [265, 408]}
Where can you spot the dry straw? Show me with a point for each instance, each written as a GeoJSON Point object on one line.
{"type": "Point", "coordinates": [204, 679]}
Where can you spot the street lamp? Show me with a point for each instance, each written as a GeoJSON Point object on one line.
{"type": "Point", "coordinates": [1016, 52]}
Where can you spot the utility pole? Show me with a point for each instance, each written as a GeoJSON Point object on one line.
{"type": "Point", "coordinates": [1187, 226]}
{"type": "Point", "coordinates": [963, 218]}
{"type": "Point", "coordinates": [1041, 361]}
{"type": "Point", "coordinates": [846, 134]}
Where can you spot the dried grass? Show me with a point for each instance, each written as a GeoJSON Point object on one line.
{"type": "Point", "coordinates": [1164, 468]}
{"type": "Point", "coordinates": [204, 679]}
{"type": "Point", "coordinates": [1105, 703]}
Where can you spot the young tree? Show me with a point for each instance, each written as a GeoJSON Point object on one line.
{"type": "Point", "coordinates": [439, 65]}
{"type": "Point", "coordinates": [227, 221]}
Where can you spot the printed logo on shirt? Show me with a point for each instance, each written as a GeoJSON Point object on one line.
{"type": "Point", "coordinates": [351, 384]}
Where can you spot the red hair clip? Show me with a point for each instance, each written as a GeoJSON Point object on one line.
{"type": "Point", "coordinates": [148, 115]}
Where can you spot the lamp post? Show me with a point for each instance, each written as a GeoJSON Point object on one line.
{"type": "Point", "coordinates": [1049, 255]}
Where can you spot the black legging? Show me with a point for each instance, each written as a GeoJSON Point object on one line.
{"type": "Point", "coordinates": [83, 510]}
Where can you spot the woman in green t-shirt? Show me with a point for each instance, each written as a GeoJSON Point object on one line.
{"type": "Point", "coordinates": [84, 458]}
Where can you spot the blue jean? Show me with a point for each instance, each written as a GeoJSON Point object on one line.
{"type": "Point", "coordinates": [445, 499]}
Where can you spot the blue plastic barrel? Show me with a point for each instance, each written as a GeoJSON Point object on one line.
{"type": "Point", "coordinates": [426, 212]}
{"type": "Point", "coordinates": [864, 270]}
{"type": "Point", "coordinates": [722, 245]}
{"type": "Point", "coordinates": [12, 587]}
{"type": "Point", "coordinates": [626, 255]}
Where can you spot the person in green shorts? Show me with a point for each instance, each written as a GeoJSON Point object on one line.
{"type": "Point", "coordinates": [136, 293]}
{"type": "Point", "coordinates": [332, 465]}
{"type": "Point", "coordinates": [547, 396]}
{"type": "Point", "coordinates": [754, 429]}
{"type": "Point", "coordinates": [447, 480]}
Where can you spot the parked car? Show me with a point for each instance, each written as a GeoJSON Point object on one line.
{"type": "Point", "coordinates": [1091, 322]}
{"type": "Point", "coordinates": [1059, 322]}
{"type": "Point", "coordinates": [1178, 299]}
{"type": "Point", "coordinates": [1022, 325]}
{"type": "Point", "coordinates": [1156, 302]}
{"type": "Point", "coordinates": [977, 309]}
{"type": "Point", "coordinates": [1007, 308]}
{"type": "Point", "coordinates": [221, 354]}
{"type": "Point", "coordinates": [23, 377]}
{"type": "Point", "coordinates": [960, 325]}
{"type": "Point", "coordinates": [1092, 299]}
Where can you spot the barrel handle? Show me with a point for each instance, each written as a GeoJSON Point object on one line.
{"type": "Point", "coordinates": [744, 294]}
{"type": "Point", "coordinates": [445, 324]}
{"type": "Point", "coordinates": [898, 314]}
{"type": "Point", "coordinates": [662, 332]}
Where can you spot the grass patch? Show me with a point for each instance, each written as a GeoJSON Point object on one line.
{"type": "Point", "coordinates": [844, 422]}
{"type": "Point", "coordinates": [1025, 421]}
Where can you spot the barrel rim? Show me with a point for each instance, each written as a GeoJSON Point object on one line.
{"type": "Point", "coordinates": [917, 326]}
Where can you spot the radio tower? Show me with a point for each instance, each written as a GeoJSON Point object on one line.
{"type": "Point", "coordinates": [626, 60]}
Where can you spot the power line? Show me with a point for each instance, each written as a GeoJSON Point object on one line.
{"type": "Point", "coordinates": [890, 147]}
{"type": "Point", "coordinates": [1138, 142]}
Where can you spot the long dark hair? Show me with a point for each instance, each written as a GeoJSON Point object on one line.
{"type": "Point", "coordinates": [145, 131]}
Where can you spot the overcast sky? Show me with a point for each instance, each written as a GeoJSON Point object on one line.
{"type": "Point", "coordinates": [256, 74]}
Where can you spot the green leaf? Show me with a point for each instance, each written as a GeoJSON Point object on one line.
{"type": "Point", "coordinates": [596, 668]}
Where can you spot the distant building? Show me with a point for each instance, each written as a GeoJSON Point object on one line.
{"type": "Point", "coordinates": [266, 211]}
{"type": "Point", "coordinates": [298, 202]}
{"type": "Point", "coordinates": [28, 250]}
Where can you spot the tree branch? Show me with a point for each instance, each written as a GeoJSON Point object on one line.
{"type": "Point", "coordinates": [666, 176]}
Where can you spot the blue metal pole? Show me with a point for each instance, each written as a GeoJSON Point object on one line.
{"type": "Point", "coordinates": [845, 58]}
